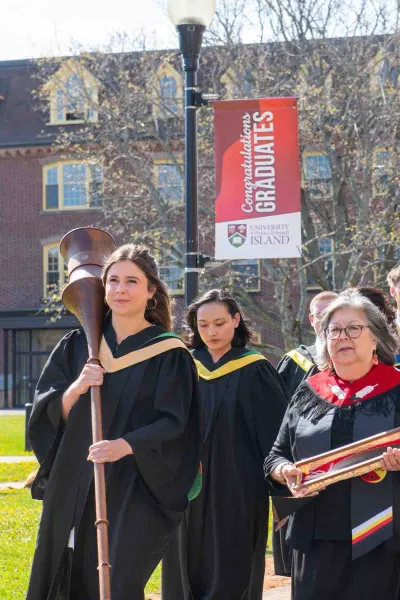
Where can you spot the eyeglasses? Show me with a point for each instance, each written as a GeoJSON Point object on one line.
{"type": "Point", "coordinates": [351, 331]}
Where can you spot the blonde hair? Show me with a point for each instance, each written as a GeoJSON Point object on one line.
{"type": "Point", "coordinates": [326, 295]}
{"type": "Point", "coordinates": [393, 277]}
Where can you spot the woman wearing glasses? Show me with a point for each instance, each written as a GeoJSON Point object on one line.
{"type": "Point", "coordinates": [346, 539]}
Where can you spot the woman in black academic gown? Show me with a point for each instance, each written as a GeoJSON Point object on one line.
{"type": "Point", "coordinates": [151, 446]}
{"type": "Point", "coordinates": [223, 539]}
{"type": "Point", "coordinates": [346, 539]}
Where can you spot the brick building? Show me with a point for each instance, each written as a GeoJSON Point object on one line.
{"type": "Point", "coordinates": [29, 234]}
{"type": "Point", "coordinates": [44, 194]}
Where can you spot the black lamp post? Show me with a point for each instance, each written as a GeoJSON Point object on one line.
{"type": "Point", "coordinates": [191, 18]}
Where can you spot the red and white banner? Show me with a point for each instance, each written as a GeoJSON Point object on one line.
{"type": "Point", "coordinates": [257, 179]}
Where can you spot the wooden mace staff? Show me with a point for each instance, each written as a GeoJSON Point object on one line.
{"type": "Point", "coordinates": [84, 250]}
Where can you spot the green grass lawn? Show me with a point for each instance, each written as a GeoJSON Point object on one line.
{"type": "Point", "coordinates": [12, 436]}
{"type": "Point", "coordinates": [19, 521]}
{"type": "Point", "coordinates": [19, 517]}
{"type": "Point", "coordinates": [16, 471]}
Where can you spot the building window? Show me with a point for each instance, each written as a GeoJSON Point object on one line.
{"type": "Point", "coordinates": [73, 94]}
{"type": "Point", "coordinates": [239, 84]}
{"type": "Point", "coordinates": [245, 274]}
{"type": "Point", "coordinates": [382, 170]}
{"type": "Point", "coordinates": [317, 167]}
{"type": "Point", "coordinates": [72, 186]}
{"type": "Point", "coordinates": [74, 104]}
{"type": "Point", "coordinates": [54, 269]}
{"type": "Point", "coordinates": [325, 249]}
{"type": "Point", "coordinates": [169, 181]}
{"type": "Point", "coordinates": [317, 174]}
{"type": "Point", "coordinates": [168, 93]}
{"type": "Point", "coordinates": [173, 277]}
{"type": "Point", "coordinates": [388, 74]}
{"type": "Point", "coordinates": [246, 86]}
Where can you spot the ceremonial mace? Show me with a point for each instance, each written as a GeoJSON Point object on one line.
{"type": "Point", "coordinates": [84, 250]}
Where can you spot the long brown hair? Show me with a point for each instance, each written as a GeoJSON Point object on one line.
{"type": "Point", "coordinates": [161, 314]}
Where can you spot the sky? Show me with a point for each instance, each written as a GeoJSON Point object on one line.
{"type": "Point", "coordinates": [48, 28]}
{"type": "Point", "coordinates": [32, 29]}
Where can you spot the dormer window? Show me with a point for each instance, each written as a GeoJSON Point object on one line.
{"type": "Point", "coordinates": [239, 85]}
{"type": "Point", "coordinates": [385, 72]}
{"type": "Point", "coordinates": [168, 92]}
{"type": "Point", "coordinates": [73, 94]}
{"type": "Point", "coordinates": [388, 73]}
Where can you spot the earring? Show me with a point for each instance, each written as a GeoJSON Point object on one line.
{"type": "Point", "coordinates": [151, 307]}
{"type": "Point", "coordinates": [375, 358]}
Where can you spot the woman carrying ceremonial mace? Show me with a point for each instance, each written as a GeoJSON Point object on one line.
{"type": "Point", "coordinates": [151, 448]}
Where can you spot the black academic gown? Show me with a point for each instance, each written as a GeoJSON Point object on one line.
{"type": "Point", "coordinates": [153, 405]}
{"type": "Point", "coordinates": [223, 536]}
{"type": "Point", "coordinates": [294, 368]}
{"type": "Point", "coordinates": [319, 533]}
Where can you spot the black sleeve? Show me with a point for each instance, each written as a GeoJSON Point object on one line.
{"type": "Point", "coordinates": [46, 426]}
{"type": "Point", "coordinates": [282, 448]}
{"type": "Point", "coordinates": [55, 379]}
{"type": "Point", "coordinates": [269, 401]}
{"type": "Point", "coordinates": [167, 451]}
{"type": "Point", "coordinates": [291, 373]}
{"type": "Point", "coordinates": [176, 383]}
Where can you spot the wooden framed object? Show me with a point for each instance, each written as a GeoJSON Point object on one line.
{"type": "Point", "coordinates": [348, 461]}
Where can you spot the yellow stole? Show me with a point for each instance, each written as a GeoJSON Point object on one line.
{"type": "Point", "coordinates": [229, 367]}
{"type": "Point", "coordinates": [111, 364]}
{"type": "Point", "coordinates": [300, 360]}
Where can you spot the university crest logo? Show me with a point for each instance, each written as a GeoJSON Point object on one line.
{"type": "Point", "coordinates": [237, 235]}
{"type": "Point", "coordinates": [374, 476]}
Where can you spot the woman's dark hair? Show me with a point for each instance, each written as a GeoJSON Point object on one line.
{"type": "Point", "coordinates": [140, 256]}
{"type": "Point", "coordinates": [381, 300]}
{"type": "Point", "coordinates": [243, 332]}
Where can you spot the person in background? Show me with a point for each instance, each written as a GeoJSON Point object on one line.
{"type": "Point", "coordinates": [381, 300]}
{"type": "Point", "coordinates": [294, 367]}
{"type": "Point", "coordinates": [221, 553]}
{"type": "Point", "coordinates": [393, 279]}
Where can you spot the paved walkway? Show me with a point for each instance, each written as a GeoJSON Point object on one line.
{"type": "Point", "coordinates": [12, 485]}
{"type": "Point", "coordinates": [282, 593]}
{"type": "Point", "coordinates": [15, 459]}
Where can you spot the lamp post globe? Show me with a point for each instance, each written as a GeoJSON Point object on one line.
{"type": "Point", "coordinates": [191, 17]}
{"type": "Point", "coordinates": [191, 12]}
